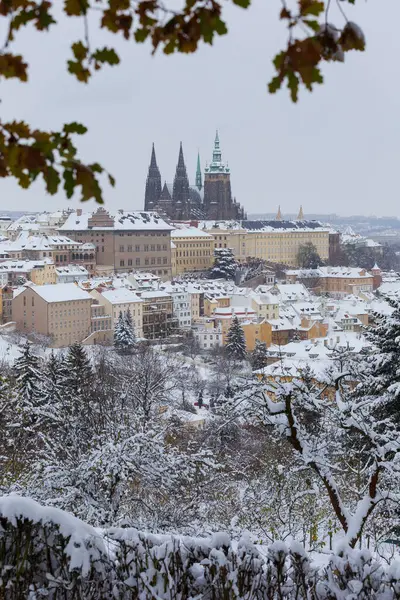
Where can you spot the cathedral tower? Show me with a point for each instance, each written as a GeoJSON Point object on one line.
{"type": "Point", "coordinates": [180, 190]}
{"type": "Point", "coordinates": [153, 183]}
{"type": "Point", "coordinates": [218, 203]}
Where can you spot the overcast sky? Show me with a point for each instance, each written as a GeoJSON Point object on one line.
{"type": "Point", "coordinates": [337, 150]}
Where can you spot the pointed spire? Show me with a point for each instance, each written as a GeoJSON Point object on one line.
{"type": "Point", "coordinates": [153, 183]}
{"type": "Point", "coordinates": [199, 180]}
{"type": "Point", "coordinates": [181, 160]}
{"type": "Point", "coordinates": [153, 160]}
{"type": "Point", "coordinates": [217, 149]}
{"type": "Point", "coordinates": [300, 216]}
{"type": "Point", "coordinates": [180, 191]}
{"type": "Point", "coordinates": [278, 214]}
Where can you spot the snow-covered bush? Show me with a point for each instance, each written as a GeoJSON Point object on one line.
{"type": "Point", "coordinates": [47, 553]}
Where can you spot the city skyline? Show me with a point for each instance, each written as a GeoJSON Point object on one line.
{"type": "Point", "coordinates": [336, 149]}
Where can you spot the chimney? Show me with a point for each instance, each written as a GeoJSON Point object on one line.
{"type": "Point", "coordinates": [78, 212]}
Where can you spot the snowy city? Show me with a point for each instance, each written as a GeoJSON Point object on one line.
{"type": "Point", "coordinates": [199, 300]}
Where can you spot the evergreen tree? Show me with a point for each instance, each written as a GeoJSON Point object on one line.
{"type": "Point", "coordinates": [30, 414]}
{"type": "Point", "coordinates": [236, 344]}
{"type": "Point", "coordinates": [54, 385]}
{"type": "Point", "coordinates": [308, 257]}
{"type": "Point", "coordinates": [224, 264]}
{"type": "Point", "coordinates": [259, 356]}
{"type": "Point", "coordinates": [380, 370]}
{"type": "Point", "coordinates": [124, 334]}
{"type": "Point", "coordinates": [28, 384]}
{"type": "Point", "coordinates": [80, 377]}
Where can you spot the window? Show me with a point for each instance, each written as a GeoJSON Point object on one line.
{"type": "Point", "coordinates": [146, 261]}
{"type": "Point", "coordinates": [122, 248]}
{"type": "Point", "coordinates": [153, 261]}
{"type": "Point", "coordinates": [129, 248]}
{"type": "Point", "coordinates": [137, 248]}
{"type": "Point", "coordinates": [146, 248]}
{"type": "Point", "coordinates": [159, 260]}
{"type": "Point", "coordinates": [24, 300]}
{"type": "Point", "coordinates": [153, 248]}
{"type": "Point", "coordinates": [121, 263]}
{"type": "Point", "coordinates": [138, 262]}
{"type": "Point", "coordinates": [129, 262]}
{"type": "Point", "coordinates": [158, 247]}
{"type": "Point", "coordinates": [165, 260]}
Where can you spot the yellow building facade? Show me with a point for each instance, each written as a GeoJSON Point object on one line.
{"type": "Point", "coordinates": [192, 250]}
{"type": "Point", "coordinates": [257, 332]}
{"type": "Point", "coordinates": [44, 274]}
{"type": "Point", "coordinates": [278, 244]}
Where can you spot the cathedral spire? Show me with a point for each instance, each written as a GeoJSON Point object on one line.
{"type": "Point", "coordinates": [181, 160]}
{"type": "Point", "coordinates": [153, 183]}
{"type": "Point", "coordinates": [217, 150]}
{"type": "Point", "coordinates": [153, 160]}
{"type": "Point", "coordinates": [180, 191]}
{"type": "Point", "coordinates": [278, 214]}
{"type": "Point", "coordinates": [199, 180]}
{"type": "Point", "coordinates": [300, 216]}
{"type": "Point", "coordinates": [216, 165]}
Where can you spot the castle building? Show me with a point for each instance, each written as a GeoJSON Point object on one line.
{"type": "Point", "coordinates": [181, 201]}
{"type": "Point", "coordinates": [125, 241]}
{"type": "Point", "coordinates": [273, 241]}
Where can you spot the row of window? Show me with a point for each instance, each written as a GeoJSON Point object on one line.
{"type": "Point", "coordinates": [195, 253]}
{"type": "Point", "coordinates": [64, 324]}
{"type": "Point", "coordinates": [158, 234]}
{"type": "Point", "coordinates": [195, 245]}
{"type": "Point", "coordinates": [146, 248]}
{"type": "Point", "coordinates": [152, 261]}
{"type": "Point", "coordinates": [184, 261]}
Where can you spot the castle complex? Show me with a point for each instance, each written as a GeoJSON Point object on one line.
{"type": "Point", "coordinates": [181, 201]}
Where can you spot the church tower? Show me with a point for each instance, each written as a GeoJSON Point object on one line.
{"type": "Point", "coordinates": [199, 179]}
{"type": "Point", "coordinates": [153, 183]}
{"type": "Point", "coordinates": [218, 203]}
{"type": "Point", "coordinates": [180, 190]}
{"type": "Point", "coordinates": [300, 216]}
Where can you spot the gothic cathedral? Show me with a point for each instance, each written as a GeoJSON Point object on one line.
{"type": "Point", "coordinates": [181, 201]}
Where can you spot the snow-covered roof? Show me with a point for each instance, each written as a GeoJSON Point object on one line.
{"type": "Point", "coordinates": [293, 291]}
{"type": "Point", "coordinates": [153, 295]}
{"type": "Point", "coordinates": [266, 226]}
{"type": "Point", "coordinates": [344, 272]}
{"type": "Point", "coordinates": [280, 324]}
{"type": "Point", "coordinates": [24, 266]}
{"type": "Point", "coordinates": [327, 272]}
{"type": "Point", "coordinates": [190, 232]}
{"type": "Point", "coordinates": [120, 296]}
{"type": "Point", "coordinates": [123, 221]}
{"type": "Point", "coordinates": [391, 288]}
{"type": "Point", "coordinates": [61, 292]}
{"type": "Point", "coordinates": [227, 312]}
{"type": "Point", "coordinates": [26, 241]}
{"type": "Point", "coordinates": [72, 270]}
